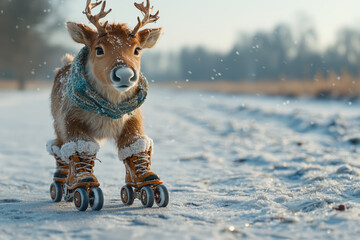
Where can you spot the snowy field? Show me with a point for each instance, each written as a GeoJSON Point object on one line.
{"type": "Point", "coordinates": [236, 167]}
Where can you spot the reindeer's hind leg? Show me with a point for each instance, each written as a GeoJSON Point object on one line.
{"type": "Point", "coordinates": [62, 168]}
{"type": "Point", "coordinates": [53, 147]}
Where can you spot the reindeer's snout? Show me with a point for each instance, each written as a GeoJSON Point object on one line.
{"type": "Point", "coordinates": [123, 78]}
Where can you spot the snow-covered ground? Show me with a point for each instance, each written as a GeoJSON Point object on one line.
{"type": "Point", "coordinates": [236, 167]}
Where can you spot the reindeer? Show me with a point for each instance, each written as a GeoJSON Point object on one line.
{"type": "Point", "coordinates": [97, 96]}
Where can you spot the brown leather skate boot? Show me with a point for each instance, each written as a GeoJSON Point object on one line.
{"type": "Point", "coordinates": [81, 172]}
{"type": "Point", "coordinates": [138, 172]}
{"type": "Point", "coordinates": [62, 170]}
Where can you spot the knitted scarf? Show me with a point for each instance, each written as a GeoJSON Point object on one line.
{"type": "Point", "coordinates": [84, 96]}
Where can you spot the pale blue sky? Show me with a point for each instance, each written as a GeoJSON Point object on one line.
{"type": "Point", "coordinates": [216, 24]}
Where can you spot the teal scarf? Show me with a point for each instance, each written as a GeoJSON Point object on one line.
{"type": "Point", "coordinates": [84, 96]}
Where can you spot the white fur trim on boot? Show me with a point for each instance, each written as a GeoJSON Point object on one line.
{"type": "Point", "coordinates": [52, 148]}
{"type": "Point", "coordinates": [142, 144]}
{"type": "Point", "coordinates": [70, 148]}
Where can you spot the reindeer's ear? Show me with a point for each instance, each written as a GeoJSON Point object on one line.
{"type": "Point", "coordinates": [80, 33]}
{"type": "Point", "coordinates": [149, 37]}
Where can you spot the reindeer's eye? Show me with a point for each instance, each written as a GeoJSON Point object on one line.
{"type": "Point", "coordinates": [99, 51]}
{"type": "Point", "coordinates": [137, 51]}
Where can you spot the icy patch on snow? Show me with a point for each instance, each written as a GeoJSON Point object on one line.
{"type": "Point", "coordinates": [197, 157]}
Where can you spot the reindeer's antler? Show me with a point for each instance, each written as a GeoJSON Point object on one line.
{"type": "Point", "coordinates": [148, 17]}
{"type": "Point", "coordinates": [101, 28]}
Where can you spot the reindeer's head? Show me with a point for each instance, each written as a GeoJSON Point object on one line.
{"type": "Point", "coordinates": [115, 49]}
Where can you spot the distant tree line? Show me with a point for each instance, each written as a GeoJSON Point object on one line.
{"type": "Point", "coordinates": [279, 54]}
{"type": "Point", "coordinates": [282, 53]}
{"type": "Point", "coordinates": [25, 50]}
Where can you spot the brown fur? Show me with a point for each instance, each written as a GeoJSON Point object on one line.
{"type": "Point", "coordinates": [72, 123]}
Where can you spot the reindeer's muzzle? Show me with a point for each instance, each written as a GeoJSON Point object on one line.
{"type": "Point", "coordinates": [123, 78]}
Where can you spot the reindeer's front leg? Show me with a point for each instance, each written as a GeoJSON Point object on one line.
{"type": "Point", "coordinates": [79, 150]}
{"type": "Point", "coordinates": [135, 151]}
{"type": "Point", "coordinates": [77, 139]}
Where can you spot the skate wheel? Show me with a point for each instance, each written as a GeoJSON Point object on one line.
{"type": "Point", "coordinates": [127, 195]}
{"type": "Point", "coordinates": [96, 199]}
{"type": "Point", "coordinates": [147, 196]}
{"type": "Point", "coordinates": [161, 196]}
{"type": "Point", "coordinates": [56, 191]}
{"type": "Point", "coordinates": [81, 199]}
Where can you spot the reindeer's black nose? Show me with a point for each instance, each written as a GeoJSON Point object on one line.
{"type": "Point", "coordinates": [123, 78]}
{"type": "Point", "coordinates": [123, 75]}
{"type": "Point", "coordinates": [114, 77]}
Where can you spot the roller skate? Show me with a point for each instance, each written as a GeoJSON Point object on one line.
{"type": "Point", "coordinates": [147, 185]}
{"type": "Point", "coordinates": [59, 179]}
{"type": "Point", "coordinates": [81, 185]}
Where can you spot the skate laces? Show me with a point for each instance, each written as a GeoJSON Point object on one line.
{"type": "Point", "coordinates": [141, 163]}
{"type": "Point", "coordinates": [61, 165]}
{"type": "Point", "coordinates": [86, 164]}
